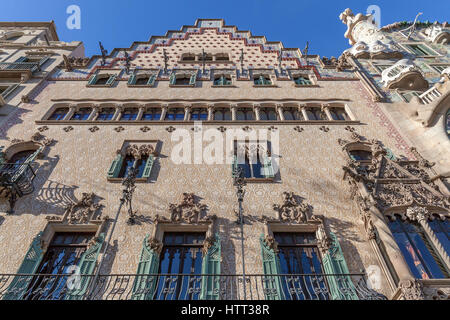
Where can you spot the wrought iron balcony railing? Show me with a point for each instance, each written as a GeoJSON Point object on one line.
{"type": "Point", "coordinates": [16, 180]}
{"type": "Point", "coordinates": [19, 66]}
{"type": "Point", "coordinates": [186, 287]}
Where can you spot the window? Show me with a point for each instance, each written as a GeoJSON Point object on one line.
{"type": "Point", "coordinates": [129, 114]}
{"type": "Point", "coordinates": [268, 114]}
{"type": "Point", "coordinates": [222, 81]}
{"type": "Point", "coordinates": [200, 114]}
{"type": "Point", "coordinates": [262, 80]}
{"type": "Point", "coordinates": [302, 81]}
{"type": "Point", "coordinates": [18, 159]}
{"type": "Point", "coordinates": [299, 255]}
{"type": "Point", "coordinates": [441, 229]}
{"type": "Point", "coordinates": [59, 114]}
{"type": "Point", "coordinates": [253, 159]}
{"type": "Point", "coordinates": [102, 80]}
{"type": "Point", "coordinates": [222, 114]}
{"type": "Point", "coordinates": [420, 50]}
{"type": "Point", "coordinates": [245, 114]}
{"type": "Point", "coordinates": [360, 155]}
{"type": "Point", "coordinates": [82, 114]}
{"type": "Point", "coordinates": [183, 79]}
{"type": "Point", "coordinates": [7, 89]}
{"type": "Point", "coordinates": [181, 262]}
{"type": "Point", "coordinates": [222, 57]}
{"type": "Point", "coordinates": [106, 114]}
{"type": "Point", "coordinates": [292, 114]}
{"type": "Point", "coordinates": [188, 57]}
{"type": "Point", "coordinates": [316, 114]}
{"type": "Point", "coordinates": [175, 114]}
{"type": "Point", "coordinates": [420, 255]}
{"type": "Point", "coordinates": [152, 114]}
{"type": "Point", "coordinates": [439, 67]}
{"type": "Point", "coordinates": [339, 114]}
{"type": "Point", "coordinates": [130, 162]}
{"type": "Point", "coordinates": [65, 250]}
{"type": "Point", "coordinates": [142, 80]}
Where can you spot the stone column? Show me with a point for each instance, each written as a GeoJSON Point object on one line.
{"type": "Point", "coordinates": [140, 113]}
{"type": "Point", "coordinates": [233, 112]}
{"type": "Point", "coordinates": [210, 112]}
{"type": "Point", "coordinates": [163, 112]}
{"type": "Point", "coordinates": [118, 113]}
{"type": "Point", "coordinates": [326, 109]}
{"type": "Point", "coordinates": [72, 109]}
{"type": "Point", "coordinates": [302, 109]}
{"type": "Point", "coordinates": [279, 108]}
{"type": "Point", "coordinates": [256, 109]}
{"type": "Point", "coordinates": [421, 215]}
{"type": "Point", "coordinates": [94, 113]}
{"type": "Point", "coordinates": [187, 112]}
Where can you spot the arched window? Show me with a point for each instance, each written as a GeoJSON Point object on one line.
{"type": "Point", "coordinates": [339, 114]}
{"type": "Point", "coordinates": [175, 114]}
{"type": "Point", "coordinates": [106, 114]}
{"type": "Point", "coordinates": [441, 228]}
{"type": "Point", "coordinates": [129, 114]}
{"type": "Point", "coordinates": [200, 114]}
{"type": "Point", "coordinates": [59, 114]}
{"type": "Point", "coordinates": [420, 255]}
{"type": "Point", "coordinates": [222, 114]}
{"type": "Point", "coordinates": [360, 155]}
{"type": "Point", "coordinates": [128, 162]}
{"type": "Point", "coordinates": [292, 114]}
{"type": "Point", "coordinates": [268, 114]}
{"type": "Point", "coordinates": [152, 114]}
{"type": "Point", "coordinates": [245, 114]}
{"type": "Point", "coordinates": [82, 114]}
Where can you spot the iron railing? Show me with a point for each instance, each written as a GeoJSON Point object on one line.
{"type": "Point", "coordinates": [186, 287]}
{"type": "Point", "coordinates": [18, 176]}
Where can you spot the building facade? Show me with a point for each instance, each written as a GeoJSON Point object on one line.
{"type": "Point", "coordinates": [213, 164]}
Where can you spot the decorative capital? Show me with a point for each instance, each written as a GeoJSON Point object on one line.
{"type": "Point", "coordinates": [155, 245]}
{"type": "Point", "coordinates": [271, 243]}
{"type": "Point", "coordinates": [412, 290]}
{"type": "Point", "coordinates": [419, 214]}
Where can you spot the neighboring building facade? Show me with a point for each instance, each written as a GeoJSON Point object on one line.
{"type": "Point", "coordinates": [330, 189]}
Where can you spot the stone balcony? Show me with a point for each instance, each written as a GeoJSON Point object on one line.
{"type": "Point", "coordinates": [403, 75]}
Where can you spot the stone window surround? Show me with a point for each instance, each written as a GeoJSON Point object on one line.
{"type": "Point", "coordinates": [198, 59]}
{"type": "Point", "coordinates": [311, 76]}
{"type": "Point", "coordinates": [96, 107]}
{"type": "Point", "coordinates": [267, 73]}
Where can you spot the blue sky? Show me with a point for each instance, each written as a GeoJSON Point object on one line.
{"type": "Point", "coordinates": [119, 23]}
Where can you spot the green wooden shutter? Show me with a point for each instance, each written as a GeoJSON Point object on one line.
{"type": "Point", "coordinates": [211, 272]}
{"type": "Point", "coordinates": [390, 155]}
{"type": "Point", "coordinates": [18, 287]}
{"type": "Point", "coordinates": [144, 284]}
{"type": "Point", "coordinates": [132, 79]}
{"type": "Point", "coordinates": [341, 287]}
{"type": "Point", "coordinates": [271, 268]}
{"type": "Point", "coordinates": [22, 59]}
{"type": "Point", "coordinates": [93, 80]}
{"type": "Point", "coordinates": [193, 79]}
{"type": "Point", "coordinates": [148, 167]}
{"type": "Point", "coordinates": [116, 165]}
{"type": "Point", "coordinates": [87, 265]}
{"type": "Point", "coordinates": [43, 60]}
{"type": "Point", "coordinates": [268, 168]}
{"type": "Point", "coordinates": [151, 80]}
{"type": "Point", "coordinates": [111, 80]}
{"type": "Point", "coordinates": [173, 79]}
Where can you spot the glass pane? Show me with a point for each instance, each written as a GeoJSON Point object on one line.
{"type": "Point", "coordinates": [218, 115]}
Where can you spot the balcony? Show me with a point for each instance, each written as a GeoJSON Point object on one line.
{"type": "Point", "coordinates": [16, 180]}
{"type": "Point", "coordinates": [187, 287]}
{"type": "Point", "coordinates": [403, 75]}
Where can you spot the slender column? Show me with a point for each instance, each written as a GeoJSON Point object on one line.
{"type": "Point", "coordinates": [421, 215]}
{"type": "Point", "coordinates": [164, 112]}
{"type": "Point", "coordinates": [72, 109]}
{"type": "Point", "coordinates": [256, 109]}
{"type": "Point", "coordinates": [326, 109]}
{"type": "Point", "coordinates": [94, 113]}
{"type": "Point", "coordinates": [279, 108]}
{"type": "Point", "coordinates": [118, 113]}
{"type": "Point", "coordinates": [302, 109]}
{"type": "Point", "coordinates": [187, 112]}
{"type": "Point", "coordinates": [210, 112]}
{"type": "Point", "coordinates": [140, 113]}
{"type": "Point", "coordinates": [233, 112]}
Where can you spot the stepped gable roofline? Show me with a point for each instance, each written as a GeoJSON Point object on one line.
{"type": "Point", "coordinates": [33, 24]}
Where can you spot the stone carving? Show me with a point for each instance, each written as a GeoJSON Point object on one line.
{"type": "Point", "coordinates": [81, 212]}
{"type": "Point", "coordinates": [188, 211]}
{"type": "Point", "coordinates": [417, 213]}
{"type": "Point", "coordinates": [69, 63]}
{"type": "Point", "coordinates": [208, 243]}
{"type": "Point", "coordinates": [324, 241]}
{"type": "Point", "coordinates": [271, 243]}
{"type": "Point", "coordinates": [155, 245]}
{"type": "Point", "coordinates": [299, 129]}
{"type": "Point", "coordinates": [412, 290]}
{"type": "Point", "coordinates": [292, 211]}
{"type": "Point", "coordinates": [139, 151]}
{"type": "Point", "coordinates": [422, 161]}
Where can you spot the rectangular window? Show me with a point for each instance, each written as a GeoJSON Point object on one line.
{"type": "Point", "coordinates": [253, 158]}
{"type": "Point", "coordinates": [64, 251]}
{"type": "Point", "coordinates": [300, 257]}
{"type": "Point", "coordinates": [420, 50]}
{"type": "Point", "coordinates": [439, 67]}
{"type": "Point", "coordinates": [180, 266]}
